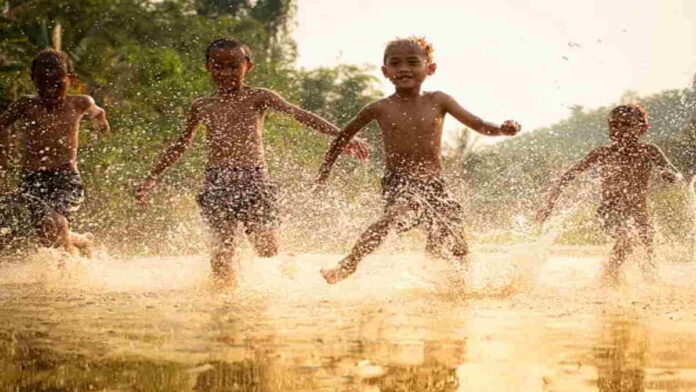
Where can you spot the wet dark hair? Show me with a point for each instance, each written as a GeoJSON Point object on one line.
{"type": "Point", "coordinates": [227, 43]}
{"type": "Point", "coordinates": [53, 58]}
{"type": "Point", "coordinates": [630, 110]}
{"type": "Point", "coordinates": [421, 42]}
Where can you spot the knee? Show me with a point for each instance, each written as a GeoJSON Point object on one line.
{"type": "Point", "coordinates": [55, 229]}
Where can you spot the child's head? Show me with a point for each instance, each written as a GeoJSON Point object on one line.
{"type": "Point", "coordinates": [52, 72]}
{"type": "Point", "coordinates": [627, 122]}
{"type": "Point", "coordinates": [228, 60]}
{"type": "Point", "coordinates": [408, 61]}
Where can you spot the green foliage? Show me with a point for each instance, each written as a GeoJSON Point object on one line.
{"type": "Point", "coordinates": [143, 61]}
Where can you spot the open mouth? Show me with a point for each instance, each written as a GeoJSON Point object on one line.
{"type": "Point", "coordinates": [404, 78]}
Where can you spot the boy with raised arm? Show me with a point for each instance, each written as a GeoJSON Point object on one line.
{"type": "Point", "coordinates": [624, 165]}
{"type": "Point", "coordinates": [50, 124]}
{"type": "Point", "coordinates": [411, 124]}
{"type": "Point", "coordinates": [237, 186]}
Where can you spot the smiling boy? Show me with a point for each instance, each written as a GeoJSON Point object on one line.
{"type": "Point", "coordinates": [410, 121]}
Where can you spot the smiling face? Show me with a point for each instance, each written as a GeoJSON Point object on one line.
{"type": "Point", "coordinates": [228, 67]}
{"type": "Point", "coordinates": [406, 65]}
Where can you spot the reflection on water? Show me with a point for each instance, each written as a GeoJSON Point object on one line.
{"type": "Point", "coordinates": [620, 354]}
{"type": "Point", "coordinates": [153, 325]}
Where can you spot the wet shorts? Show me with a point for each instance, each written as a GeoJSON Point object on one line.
{"type": "Point", "coordinates": [429, 201]}
{"type": "Point", "coordinates": [62, 191]}
{"type": "Point", "coordinates": [238, 195]}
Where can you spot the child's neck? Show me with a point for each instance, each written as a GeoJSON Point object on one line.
{"type": "Point", "coordinates": [52, 103]}
{"type": "Point", "coordinates": [230, 91]}
{"type": "Point", "coordinates": [408, 93]}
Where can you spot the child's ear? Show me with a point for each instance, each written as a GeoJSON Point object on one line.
{"type": "Point", "coordinates": [208, 66]}
{"type": "Point", "coordinates": [432, 67]}
{"type": "Point", "coordinates": [385, 72]}
{"type": "Point", "coordinates": [250, 65]}
{"type": "Point", "coordinates": [72, 79]}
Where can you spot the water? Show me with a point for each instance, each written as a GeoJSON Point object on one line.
{"type": "Point", "coordinates": [526, 322]}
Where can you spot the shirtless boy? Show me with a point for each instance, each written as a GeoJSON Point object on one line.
{"type": "Point", "coordinates": [237, 186]}
{"type": "Point", "coordinates": [411, 124]}
{"type": "Point", "coordinates": [624, 167]}
{"type": "Point", "coordinates": [50, 124]}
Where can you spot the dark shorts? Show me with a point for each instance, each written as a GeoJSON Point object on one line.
{"type": "Point", "coordinates": [616, 221]}
{"type": "Point", "coordinates": [20, 219]}
{"type": "Point", "coordinates": [428, 200]}
{"type": "Point", "coordinates": [231, 196]}
{"type": "Point", "coordinates": [62, 191]}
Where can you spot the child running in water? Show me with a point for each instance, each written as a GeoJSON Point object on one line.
{"type": "Point", "coordinates": [411, 124]}
{"type": "Point", "coordinates": [51, 184]}
{"type": "Point", "coordinates": [624, 167]}
{"type": "Point", "coordinates": [237, 186]}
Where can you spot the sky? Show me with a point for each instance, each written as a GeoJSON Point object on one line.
{"type": "Point", "coordinates": [527, 60]}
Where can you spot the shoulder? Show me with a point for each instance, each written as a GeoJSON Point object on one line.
{"type": "Point", "coordinates": [23, 103]}
{"type": "Point", "coordinates": [438, 96]}
{"type": "Point", "coordinates": [201, 103]}
{"type": "Point", "coordinates": [81, 102]}
{"type": "Point", "coordinates": [372, 110]}
{"type": "Point", "coordinates": [599, 153]}
{"type": "Point", "coordinates": [652, 150]}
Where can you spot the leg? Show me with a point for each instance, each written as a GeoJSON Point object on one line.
{"type": "Point", "coordinates": [224, 253]}
{"type": "Point", "coordinates": [264, 239]}
{"type": "Point", "coordinates": [55, 232]}
{"type": "Point", "coordinates": [646, 235]}
{"type": "Point", "coordinates": [370, 240]}
{"type": "Point", "coordinates": [621, 250]}
{"type": "Point", "coordinates": [83, 241]}
{"type": "Point", "coordinates": [445, 241]}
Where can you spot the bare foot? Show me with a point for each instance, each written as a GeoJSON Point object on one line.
{"type": "Point", "coordinates": [337, 274]}
{"type": "Point", "coordinates": [84, 244]}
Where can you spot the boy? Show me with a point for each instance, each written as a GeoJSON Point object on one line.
{"type": "Point", "coordinates": [237, 187]}
{"type": "Point", "coordinates": [624, 167]}
{"type": "Point", "coordinates": [411, 126]}
{"type": "Point", "coordinates": [50, 128]}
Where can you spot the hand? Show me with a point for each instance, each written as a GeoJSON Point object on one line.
{"type": "Point", "coordinates": [542, 215]}
{"type": "Point", "coordinates": [319, 185]}
{"type": "Point", "coordinates": [142, 193]}
{"type": "Point", "coordinates": [510, 128]}
{"type": "Point", "coordinates": [357, 148]}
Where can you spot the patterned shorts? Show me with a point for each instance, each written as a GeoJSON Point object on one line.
{"type": "Point", "coordinates": [238, 195]}
{"type": "Point", "coordinates": [429, 201]}
{"type": "Point", "coordinates": [62, 191]}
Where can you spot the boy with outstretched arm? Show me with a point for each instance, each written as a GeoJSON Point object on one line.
{"type": "Point", "coordinates": [237, 186]}
{"type": "Point", "coordinates": [624, 166]}
{"type": "Point", "coordinates": [50, 124]}
{"type": "Point", "coordinates": [410, 121]}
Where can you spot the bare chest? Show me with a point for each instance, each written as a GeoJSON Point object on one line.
{"type": "Point", "coordinates": [412, 122]}
{"type": "Point", "coordinates": [225, 117]}
{"type": "Point", "coordinates": [44, 124]}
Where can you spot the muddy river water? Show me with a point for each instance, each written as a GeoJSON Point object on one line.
{"type": "Point", "coordinates": [525, 322]}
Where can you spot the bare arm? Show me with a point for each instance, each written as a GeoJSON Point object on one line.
{"type": "Point", "coordinates": [590, 160]}
{"type": "Point", "coordinates": [357, 148]}
{"type": "Point", "coordinates": [366, 116]}
{"type": "Point", "coordinates": [98, 115]}
{"type": "Point", "coordinates": [667, 171]}
{"type": "Point", "coordinates": [7, 118]}
{"type": "Point", "coordinates": [474, 122]}
{"type": "Point", "coordinates": [311, 120]}
{"type": "Point", "coordinates": [171, 155]}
